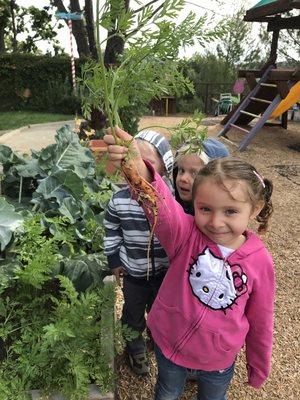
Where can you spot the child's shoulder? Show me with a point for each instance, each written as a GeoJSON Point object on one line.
{"type": "Point", "coordinates": [255, 245]}
{"type": "Point", "coordinates": [121, 192]}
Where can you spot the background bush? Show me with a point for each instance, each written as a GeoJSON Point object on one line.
{"type": "Point", "coordinates": [210, 76]}
{"type": "Point", "coordinates": [37, 83]}
{"type": "Point", "coordinates": [50, 87]}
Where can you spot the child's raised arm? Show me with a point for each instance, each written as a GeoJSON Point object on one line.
{"type": "Point", "coordinates": [125, 154]}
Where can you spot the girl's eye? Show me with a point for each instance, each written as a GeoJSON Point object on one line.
{"type": "Point", "coordinates": [180, 170]}
{"type": "Point", "coordinates": [204, 209]}
{"type": "Point", "coordinates": [230, 212]}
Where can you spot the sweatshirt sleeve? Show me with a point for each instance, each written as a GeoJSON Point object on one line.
{"type": "Point", "coordinates": [173, 224]}
{"type": "Point", "coordinates": [260, 314]}
{"type": "Point", "coordinates": [113, 235]}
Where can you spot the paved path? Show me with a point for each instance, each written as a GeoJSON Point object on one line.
{"type": "Point", "coordinates": [32, 136]}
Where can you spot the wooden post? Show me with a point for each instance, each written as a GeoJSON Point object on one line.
{"type": "Point", "coordinates": [206, 98]}
{"type": "Point", "coordinates": [284, 120]}
{"type": "Point", "coordinates": [250, 77]}
{"type": "Point", "coordinates": [274, 45]}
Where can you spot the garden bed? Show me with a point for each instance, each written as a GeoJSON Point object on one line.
{"type": "Point", "coordinates": [56, 315]}
{"type": "Point", "coordinates": [107, 337]}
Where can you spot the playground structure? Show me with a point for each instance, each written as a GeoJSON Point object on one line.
{"type": "Point", "coordinates": [272, 90]}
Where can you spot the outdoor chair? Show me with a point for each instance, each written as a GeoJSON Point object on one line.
{"type": "Point", "coordinates": [224, 104]}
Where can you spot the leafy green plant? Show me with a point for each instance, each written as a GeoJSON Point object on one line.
{"type": "Point", "coordinates": [54, 309]}
{"type": "Point", "coordinates": [51, 339]}
{"type": "Point", "coordinates": [190, 132]}
{"type": "Point", "coordinates": [147, 69]}
{"type": "Point", "coordinates": [68, 199]}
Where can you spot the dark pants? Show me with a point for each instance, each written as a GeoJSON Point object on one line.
{"type": "Point", "coordinates": [139, 295]}
{"type": "Point", "coordinates": [212, 385]}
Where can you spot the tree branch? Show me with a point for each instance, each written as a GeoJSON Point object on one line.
{"type": "Point", "coordinates": [146, 5]}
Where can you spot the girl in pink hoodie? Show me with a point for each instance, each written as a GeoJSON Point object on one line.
{"type": "Point", "coordinates": [218, 294]}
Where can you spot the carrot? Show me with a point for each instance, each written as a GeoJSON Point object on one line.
{"type": "Point", "coordinates": [146, 194]}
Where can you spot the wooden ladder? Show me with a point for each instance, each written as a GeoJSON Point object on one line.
{"type": "Point", "coordinates": [262, 119]}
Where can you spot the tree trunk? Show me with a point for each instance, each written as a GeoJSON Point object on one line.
{"type": "Point", "coordinates": [90, 27]}
{"type": "Point", "coordinates": [78, 28]}
{"type": "Point", "coordinates": [12, 13]}
{"type": "Point", "coordinates": [79, 31]}
{"type": "Point", "coordinates": [114, 45]}
{"type": "Point", "coordinates": [2, 44]}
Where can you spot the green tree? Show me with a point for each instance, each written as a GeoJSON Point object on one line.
{"type": "Point", "coordinates": [238, 47]}
{"type": "Point", "coordinates": [210, 75]}
{"type": "Point", "coordinates": [288, 50]}
{"type": "Point", "coordinates": [5, 11]}
{"type": "Point", "coordinates": [34, 23]}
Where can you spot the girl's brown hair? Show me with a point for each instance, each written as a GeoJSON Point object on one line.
{"type": "Point", "coordinates": [259, 189]}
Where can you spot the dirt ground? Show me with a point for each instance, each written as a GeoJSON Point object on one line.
{"type": "Point", "coordinates": [273, 154]}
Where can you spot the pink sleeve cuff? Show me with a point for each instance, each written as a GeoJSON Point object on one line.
{"type": "Point", "coordinates": [254, 379]}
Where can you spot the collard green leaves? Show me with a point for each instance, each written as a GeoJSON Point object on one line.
{"type": "Point", "coordinates": [9, 221]}
{"type": "Point", "coordinates": [67, 200]}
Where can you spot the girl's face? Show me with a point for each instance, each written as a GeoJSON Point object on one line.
{"type": "Point", "coordinates": [188, 167]}
{"type": "Point", "coordinates": [223, 213]}
{"type": "Point", "coordinates": [150, 154]}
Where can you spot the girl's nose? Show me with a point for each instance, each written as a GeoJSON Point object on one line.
{"type": "Point", "coordinates": [185, 177]}
{"type": "Point", "coordinates": [215, 220]}
{"type": "Point", "coordinates": [182, 178]}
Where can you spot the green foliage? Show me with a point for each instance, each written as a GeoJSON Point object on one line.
{"type": "Point", "coordinates": [55, 313]}
{"type": "Point", "coordinates": [147, 69]}
{"type": "Point", "coordinates": [191, 132]}
{"type": "Point", "coordinates": [39, 83]}
{"type": "Point", "coordinates": [70, 200]}
{"type": "Point", "coordinates": [23, 27]}
{"type": "Point", "coordinates": [9, 221]}
{"type": "Point", "coordinates": [238, 47]}
{"type": "Point", "coordinates": [52, 339]}
{"type": "Point", "coordinates": [210, 76]}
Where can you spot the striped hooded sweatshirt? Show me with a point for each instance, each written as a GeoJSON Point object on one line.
{"type": "Point", "coordinates": [210, 306]}
{"type": "Point", "coordinates": [127, 228]}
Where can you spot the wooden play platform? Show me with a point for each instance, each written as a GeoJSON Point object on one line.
{"type": "Point", "coordinates": [272, 90]}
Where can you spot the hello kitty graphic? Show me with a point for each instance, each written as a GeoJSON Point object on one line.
{"type": "Point", "coordinates": [216, 283]}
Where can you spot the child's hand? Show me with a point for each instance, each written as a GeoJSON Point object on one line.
{"type": "Point", "coordinates": [118, 273]}
{"type": "Point", "coordinates": [117, 152]}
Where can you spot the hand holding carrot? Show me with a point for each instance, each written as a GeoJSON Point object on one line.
{"type": "Point", "coordinates": [128, 158]}
{"type": "Point", "coordinates": [118, 151]}
{"type": "Point", "coordinates": [126, 152]}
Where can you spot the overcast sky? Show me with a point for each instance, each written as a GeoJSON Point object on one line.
{"type": "Point", "coordinates": [212, 8]}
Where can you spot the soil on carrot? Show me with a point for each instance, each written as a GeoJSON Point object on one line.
{"type": "Point", "coordinates": [275, 153]}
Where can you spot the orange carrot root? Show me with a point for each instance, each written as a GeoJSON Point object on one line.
{"type": "Point", "coordinates": [146, 194]}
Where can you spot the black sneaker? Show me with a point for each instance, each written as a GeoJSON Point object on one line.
{"type": "Point", "coordinates": [139, 363]}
